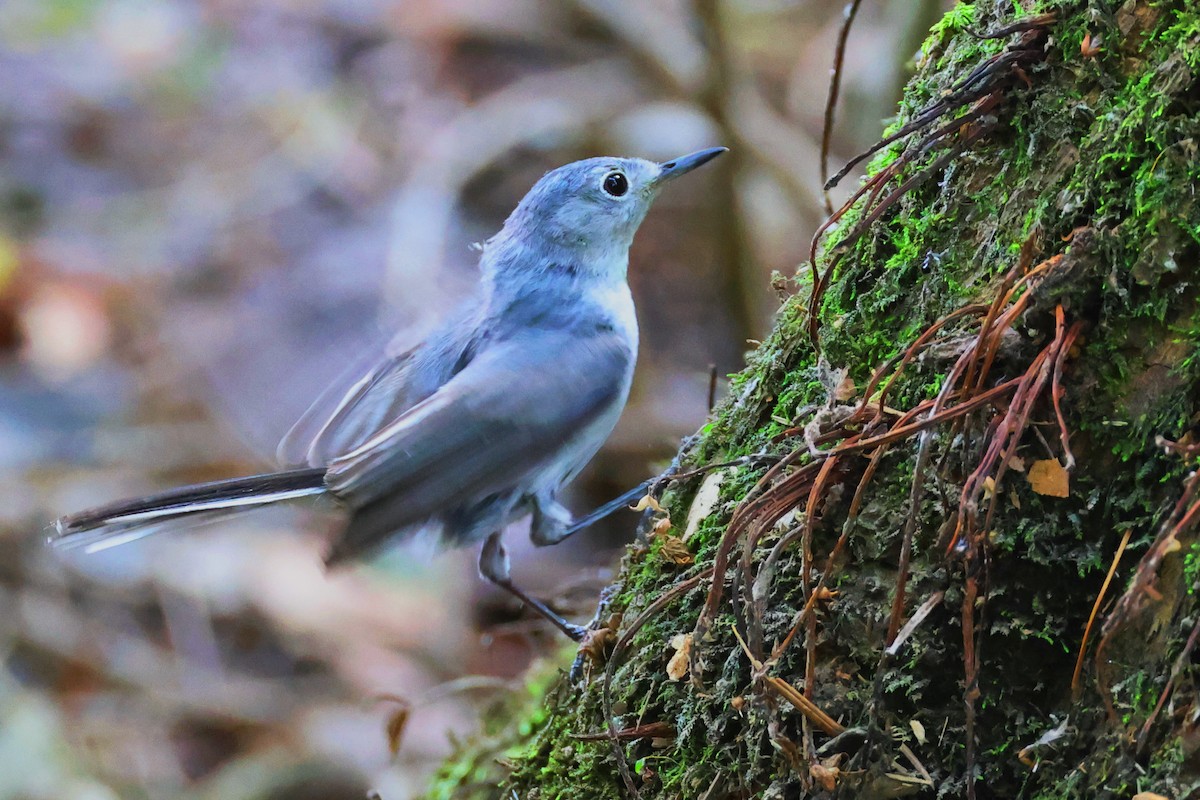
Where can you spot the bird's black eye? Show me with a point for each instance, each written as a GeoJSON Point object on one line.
{"type": "Point", "coordinates": [616, 184]}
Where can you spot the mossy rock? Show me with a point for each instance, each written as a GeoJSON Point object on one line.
{"type": "Point", "coordinates": [1093, 156]}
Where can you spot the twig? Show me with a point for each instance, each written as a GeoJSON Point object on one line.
{"type": "Point", "coordinates": [914, 622]}
{"type": "Point", "coordinates": [1087, 631]}
{"type": "Point", "coordinates": [788, 692]}
{"type": "Point", "coordinates": [835, 85]}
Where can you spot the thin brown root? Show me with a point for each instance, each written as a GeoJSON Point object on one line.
{"type": "Point", "coordinates": [1087, 631]}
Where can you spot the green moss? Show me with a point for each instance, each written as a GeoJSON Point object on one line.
{"type": "Point", "coordinates": [957, 20]}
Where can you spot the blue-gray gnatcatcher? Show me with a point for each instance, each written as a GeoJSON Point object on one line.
{"type": "Point", "coordinates": [491, 415]}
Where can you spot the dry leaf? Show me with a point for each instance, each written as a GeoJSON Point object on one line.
{"type": "Point", "coordinates": [1047, 477]}
{"type": "Point", "coordinates": [826, 595]}
{"type": "Point", "coordinates": [662, 526]}
{"type": "Point", "coordinates": [1016, 463]}
{"type": "Point", "coordinates": [1148, 796]}
{"type": "Point", "coordinates": [989, 486]}
{"type": "Point", "coordinates": [598, 642]}
{"type": "Point", "coordinates": [675, 551]}
{"type": "Point", "coordinates": [826, 776]}
{"type": "Point", "coordinates": [918, 730]}
{"type": "Point", "coordinates": [677, 667]}
{"type": "Point", "coordinates": [648, 501]}
{"type": "Point", "coordinates": [845, 390]}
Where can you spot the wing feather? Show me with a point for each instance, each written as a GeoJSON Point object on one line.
{"type": "Point", "coordinates": [325, 428]}
{"type": "Point", "coordinates": [383, 388]}
{"type": "Point", "coordinates": [515, 409]}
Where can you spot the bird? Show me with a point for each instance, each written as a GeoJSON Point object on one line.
{"type": "Point", "coordinates": [483, 422]}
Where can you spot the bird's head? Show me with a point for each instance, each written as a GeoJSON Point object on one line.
{"type": "Point", "coordinates": [589, 210]}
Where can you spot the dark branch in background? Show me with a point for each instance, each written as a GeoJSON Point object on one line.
{"type": "Point", "coordinates": [740, 284]}
{"type": "Point", "coordinates": [835, 86]}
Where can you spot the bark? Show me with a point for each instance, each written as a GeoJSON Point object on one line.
{"type": "Point", "coordinates": [900, 594]}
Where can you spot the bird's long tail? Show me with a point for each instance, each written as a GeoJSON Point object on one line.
{"type": "Point", "coordinates": [126, 520]}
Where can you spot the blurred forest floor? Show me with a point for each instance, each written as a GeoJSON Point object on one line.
{"type": "Point", "coordinates": [208, 210]}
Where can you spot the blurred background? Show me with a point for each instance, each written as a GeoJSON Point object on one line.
{"type": "Point", "coordinates": [210, 208]}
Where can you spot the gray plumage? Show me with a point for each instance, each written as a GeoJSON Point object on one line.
{"type": "Point", "coordinates": [492, 414]}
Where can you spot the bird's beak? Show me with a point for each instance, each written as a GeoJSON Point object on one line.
{"type": "Point", "coordinates": [669, 170]}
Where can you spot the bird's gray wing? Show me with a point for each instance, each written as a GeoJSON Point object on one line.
{"type": "Point", "coordinates": [383, 388]}
{"type": "Point", "coordinates": [342, 418]}
{"type": "Point", "coordinates": [516, 407]}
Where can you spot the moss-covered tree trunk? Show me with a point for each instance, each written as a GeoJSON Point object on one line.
{"type": "Point", "coordinates": [886, 594]}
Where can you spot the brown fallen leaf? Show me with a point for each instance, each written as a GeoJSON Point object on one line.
{"type": "Point", "coordinates": [677, 667]}
{"type": "Point", "coordinates": [1047, 477]}
{"type": "Point", "coordinates": [1148, 796]}
{"type": "Point", "coordinates": [845, 390]}
{"type": "Point", "coordinates": [598, 643]}
{"type": "Point", "coordinates": [825, 594]}
{"type": "Point", "coordinates": [675, 551]}
{"type": "Point", "coordinates": [825, 775]}
{"type": "Point", "coordinates": [648, 501]}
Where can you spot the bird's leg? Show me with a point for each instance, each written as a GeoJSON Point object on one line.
{"type": "Point", "coordinates": [633, 495]}
{"type": "Point", "coordinates": [551, 522]}
{"type": "Point", "coordinates": [494, 566]}
{"type": "Point", "coordinates": [592, 517]}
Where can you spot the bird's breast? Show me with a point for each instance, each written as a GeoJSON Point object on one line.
{"type": "Point", "coordinates": [616, 306]}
